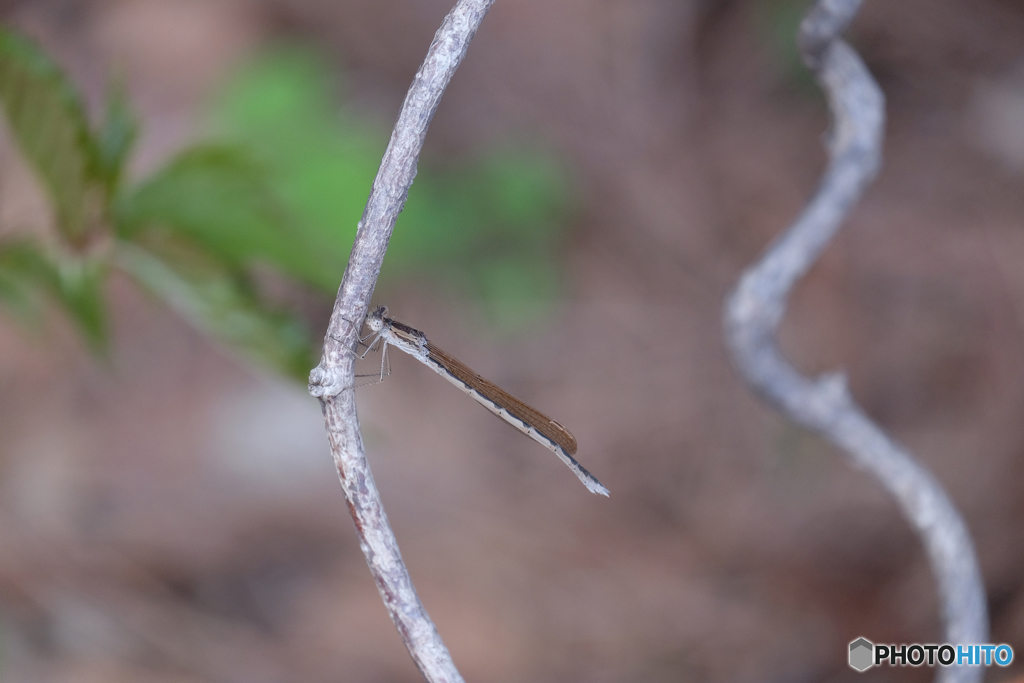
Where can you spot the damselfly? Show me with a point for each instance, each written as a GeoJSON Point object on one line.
{"type": "Point", "coordinates": [529, 421]}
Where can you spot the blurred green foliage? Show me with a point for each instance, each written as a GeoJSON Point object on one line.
{"type": "Point", "coordinates": [282, 187]}
{"type": "Point", "coordinates": [493, 229]}
{"type": "Point", "coordinates": [778, 23]}
{"type": "Point", "coordinates": [26, 272]}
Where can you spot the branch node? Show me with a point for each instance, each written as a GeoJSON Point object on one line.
{"type": "Point", "coordinates": [326, 382]}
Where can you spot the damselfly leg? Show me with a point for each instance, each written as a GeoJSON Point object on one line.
{"type": "Point", "coordinates": [385, 360]}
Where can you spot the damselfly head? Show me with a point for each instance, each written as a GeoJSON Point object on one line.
{"type": "Point", "coordinates": [375, 321]}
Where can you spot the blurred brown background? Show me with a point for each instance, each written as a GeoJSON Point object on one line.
{"type": "Point", "coordinates": [175, 516]}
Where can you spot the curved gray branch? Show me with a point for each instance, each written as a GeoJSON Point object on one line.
{"type": "Point", "coordinates": [758, 303]}
{"type": "Point", "coordinates": [331, 381]}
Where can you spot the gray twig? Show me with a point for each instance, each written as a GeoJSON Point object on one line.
{"type": "Point", "coordinates": [758, 303]}
{"type": "Point", "coordinates": [331, 381]}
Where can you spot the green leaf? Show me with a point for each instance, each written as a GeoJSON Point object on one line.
{"type": "Point", "coordinates": [115, 137]}
{"type": "Point", "coordinates": [220, 302]}
{"type": "Point", "coordinates": [25, 275]}
{"type": "Point", "coordinates": [50, 126]}
{"type": "Point", "coordinates": [219, 197]}
{"type": "Point", "coordinates": [73, 282]}
{"type": "Point", "coordinates": [81, 292]}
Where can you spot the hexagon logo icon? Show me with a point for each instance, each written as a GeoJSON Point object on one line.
{"type": "Point", "coordinates": [862, 653]}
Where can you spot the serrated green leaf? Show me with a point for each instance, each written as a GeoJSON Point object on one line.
{"type": "Point", "coordinates": [49, 124]}
{"type": "Point", "coordinates": [219, 197]}
{"type": "Point", "coordinates": [73, 282]}
{"type": "Point", "coordinates": [219, 302]}
{"type": "Point", "coordinates": [115, 137]}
